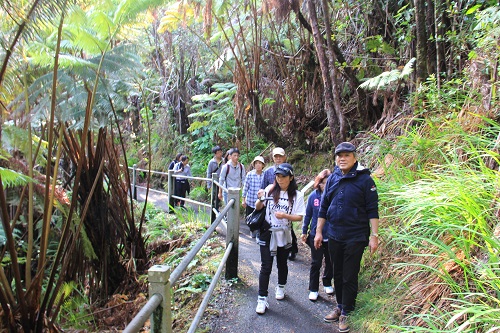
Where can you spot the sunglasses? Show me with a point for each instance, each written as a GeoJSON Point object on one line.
{"type": "Point", "coordinates": [287, 170]}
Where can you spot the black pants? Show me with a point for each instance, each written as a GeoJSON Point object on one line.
{"type": "Point", "coordinates": [317, 256]}
{"type": "Point", "coordinates": [181, 187]}
{"type": "Point", "coordinates": [346, 260]}
{"type": "Point", "coordinates": [266, 267]}
{"type": "Point", "coordinates": [295, 247]}
{"type": "Point", "coordinates": [215, 201]}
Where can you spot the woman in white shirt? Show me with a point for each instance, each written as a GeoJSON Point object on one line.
{"type": "Point", "coordinates": [284, 204]}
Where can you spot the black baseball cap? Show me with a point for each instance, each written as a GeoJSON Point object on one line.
{"type": "Point", "coordinates": [284, 169]}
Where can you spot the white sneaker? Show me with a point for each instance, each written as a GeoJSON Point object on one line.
{"type": "Point", "coordinates": [280, 291]}
{"type": "Point", "coordinates": [313, 296]}
{"type": "Point", "coordinates": [261, 305]}
{"type": "Point", "coordinates": [329, 290]}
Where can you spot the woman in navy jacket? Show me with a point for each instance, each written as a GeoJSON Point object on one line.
{"type": "Point", "coordinates": [349, 212]}
{"type": "Point", "coordinates": [308, 233]}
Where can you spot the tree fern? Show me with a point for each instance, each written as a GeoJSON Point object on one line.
{"type": "Point", "coordinates": [385, 79]}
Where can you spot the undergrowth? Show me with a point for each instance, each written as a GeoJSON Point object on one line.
{"type": "Point", "coordinates": [440, 233]}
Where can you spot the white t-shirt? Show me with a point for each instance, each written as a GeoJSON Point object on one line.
{"type": "Point", "coordinates": [283, 205]}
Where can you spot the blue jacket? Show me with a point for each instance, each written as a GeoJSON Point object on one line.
{"type": "Point", "coordinates": [312, 209]}
{"type": "Point", "coordinates": [348, 213]}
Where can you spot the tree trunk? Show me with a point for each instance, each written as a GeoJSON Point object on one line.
{"type": "Point", "coordinates": [334, 73]}
{"type": "Point", "coordinates": [325, 74]}
{"type": "Point", "coordinates": [421, 36]}
{"type": "Point", "coordinates": [260, 124]}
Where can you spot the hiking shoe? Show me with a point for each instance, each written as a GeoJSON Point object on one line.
{"type": "Point", "coordinates": [329, 290]}
{"type": "Point", "coordinates": [262, 305]}
{"type": "Point", "coordinates": [313, 296]}
{"type": "Point", "coordinates": [343, 326]}
{"type": "Point", "coordinates": [333, 316]}
{"type": "Point", "coordinates": [280, 291]}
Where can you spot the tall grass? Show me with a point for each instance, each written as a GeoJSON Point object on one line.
{"type": "Point", "coordinates": [440, 200]}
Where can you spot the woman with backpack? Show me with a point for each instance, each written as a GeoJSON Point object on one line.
{"type": "Point", "coordinates": [284, 203]}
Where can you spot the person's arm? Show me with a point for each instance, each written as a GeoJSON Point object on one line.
{"type": "Point", "coordinates": [307, 218]}
{"type": "Point", "coordinates": [209, 174]}
{"type": "Point", "coordinates": [318, 239]}
{"type": "Point", "coordinates": [222, 179]}
{"type": "Point", "coordinates": [371, 198]}
{"type": "Point", "coordinates": [246, 185]}
{"type": "Point", "coordinates": [373, 243]}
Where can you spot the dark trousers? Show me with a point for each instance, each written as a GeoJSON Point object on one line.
{"type": "Point", "coordinates": [266, 267]}
{"type": "Point", "coordinates": [180, 191]}
{"type": "Point", "coordinates": [215, 201]}
{"type": "Point", "coordinates": [317, 256]}
{"type": "Point", "coordinates": [295, 247]}
{"type": "Point", "coordinates": [346, 260]}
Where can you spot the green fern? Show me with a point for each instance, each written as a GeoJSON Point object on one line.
{"type": "Point", "coordinates": [11, 178]}
{"type": "Point", "coordinates": [384, 80]}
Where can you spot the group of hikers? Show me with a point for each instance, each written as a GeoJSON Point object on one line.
{"type": "Point", "coordinates": [339, 221]}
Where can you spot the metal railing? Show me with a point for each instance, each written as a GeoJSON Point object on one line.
{"type": "Point", "coordinates": [162, 280]}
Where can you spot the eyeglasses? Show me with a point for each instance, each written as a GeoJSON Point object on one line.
{"type": "Point", "coordinates": [287, 170]}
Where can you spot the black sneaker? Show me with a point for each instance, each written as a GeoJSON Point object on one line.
{"type": "Point", "coordinates": [292, 256]}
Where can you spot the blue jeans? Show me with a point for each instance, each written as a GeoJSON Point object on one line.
{"type": "Point", "coordinates": [266, 267]}
{"type": "Point", "coordinates": [346, 260]}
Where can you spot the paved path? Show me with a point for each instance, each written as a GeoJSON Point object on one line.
{"type": "Point", "coordinates": [293, 314]}
{"type": "Point", "coordinates": [235, 306]}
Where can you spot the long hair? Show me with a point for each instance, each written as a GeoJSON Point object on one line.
{"type": "Point", "coordinates": [291, 190]}
{"type": "Point", "coordinates": [319, 178]}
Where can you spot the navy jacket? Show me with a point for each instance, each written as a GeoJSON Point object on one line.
{"type": "Point", "coordinates": [348, 213]}
{"type": "Point", "coordinates": [312, 209]}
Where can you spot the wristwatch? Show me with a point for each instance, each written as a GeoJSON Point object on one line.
{"type": "Point", "coordinates": [375, 235]}
{"type": "Point", "coordinates": [262, 198]}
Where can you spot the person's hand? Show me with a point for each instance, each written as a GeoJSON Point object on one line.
{"type": "Point", "coordinates": [244, 203]}
{"type": "Point", "coordinates": [220, 196]}
{"type": "Point", "coordinates": [373, 244]}
{"type": "Point", "coordinates": [303, 238]}
{"type": "Point", "coordinates": [318, 239]}
{"type": "Point", "coordinates": [260, 193]}
{"type": "Point", "coordinates": [280, 215]}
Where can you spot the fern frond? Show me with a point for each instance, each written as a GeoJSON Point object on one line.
{"type": "Point", "coordinates": [408, 69]}
{"type": "Point", "coordinates": [11, 178]}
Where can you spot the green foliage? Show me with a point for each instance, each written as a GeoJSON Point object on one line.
{"type": "Point", "coordinates": [199, 193]}
{"type": "Point", "coordinates": [384, 80]}
{"type": "Point", "coordinates": [76, 311]}
{"type": "Point", "coordinates": [10, 178]}
{"type": "Point", "coordinates": [441, 213]}
{"type": "Point", "coordinates": [212, 124]}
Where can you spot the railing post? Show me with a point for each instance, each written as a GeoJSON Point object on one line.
{"type": "Point", "coordinates": [170, 187]}
{"type": "Point", "coordinates": [214, 197]}
{"type": "Point", "coordinates": [134, 177]}
{"type": "Point", "coordinates": [233, 232]}
{"type": "Point", "coordinates": [161, 319]}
